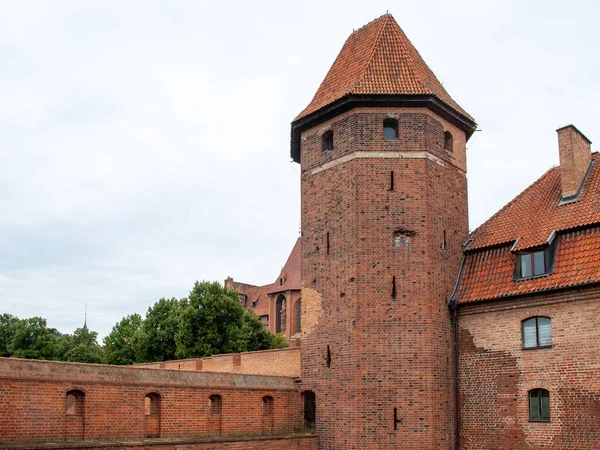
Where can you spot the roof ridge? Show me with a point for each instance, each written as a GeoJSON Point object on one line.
{"type": "Point", "coordinates": [518, 196]}
{"type": "Point", "coordinates": [372, 21]}
{"type": "Point", "coordinates": [411, 62]}
{"type": "Point", "coordinates": [373, 50]}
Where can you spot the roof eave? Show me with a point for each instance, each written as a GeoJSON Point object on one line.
{"type": "Point", "coordinates": [352, 101]}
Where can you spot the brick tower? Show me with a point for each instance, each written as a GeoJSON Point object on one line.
{"type": "Point", "coordinates": [384, 216]}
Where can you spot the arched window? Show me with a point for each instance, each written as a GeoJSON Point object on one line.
{"type": "Point", "coordinates": [75, 415]}
{"type": "Point", "coordinates": [539, 405]}
{"type": "Point", "coordinates": [328, 141]}
{"type": "Point", "coordinates": [268, 414]}
{"type": "Point", "coordinates": [310, 409]}
{"type": "Point", "coordinates": [537, 332]}
{"type": "Point", "coordinates": [214, 420]}
{"type": "Point", "coordinates": [448, 141]}
{"type": "Point", "coordinates": [152, 415]}
{"type": "Point", "coordinates": [298, 316]}
{"type": "Point", "coordinates": [390, 129]}
{"type": "Point", "coordinates": [280, 314]}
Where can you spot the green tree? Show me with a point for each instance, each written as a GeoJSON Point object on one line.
{"type": "Point", "coordinates": [157, 334]}
{"type": "Point", "coordinates": [256, 337]}
{"type": "Point", "coordinates": [8, 326]}
{"type": "Point", "coordinates": [121, 346]}
{"type": "Point", "coordinates": [211, 322]}
{"type": "Point", "coordinates": [84, 347]}
{"type": "Point", "coordinates": [34, 340]}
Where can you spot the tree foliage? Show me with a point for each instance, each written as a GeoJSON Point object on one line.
{"type": "Point", "coordinates": [209, 321]}
{"type": "Point", "coordinates": [121, 346]}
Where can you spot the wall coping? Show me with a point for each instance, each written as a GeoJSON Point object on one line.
{"type": "Point", "coordinates": [81, 373]}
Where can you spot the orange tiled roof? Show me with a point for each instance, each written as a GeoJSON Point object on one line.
{"type": "Point", "coordinates": [290, 272]}
{"type": "Point", "coordinates": [527, 222]}
{"type": "Point", "coordinates": [536, 212]}
{"type": "Point", "coordinates": [488, 273]}
{"type": "Point", "coordinates": [378, 59]}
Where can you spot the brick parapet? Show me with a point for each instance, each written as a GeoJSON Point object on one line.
{"type": "Point", "coordinates": [277, 362]}
{"type": "Point", "coordinates": [110, 402]}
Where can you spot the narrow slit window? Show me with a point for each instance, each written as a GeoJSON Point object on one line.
{"type": "Point", "coordinates": [328, 245]}
{"type": "Point", "coordinates": [392, 180]}
{"type": "Point", "coordinates": [390, 129]}
{"type": "Point", "coordinates": [393, 287]}
{"type": "Point", "coordinates": [328, 141]}
{"type": "Point", "coordinates": [448, 142]}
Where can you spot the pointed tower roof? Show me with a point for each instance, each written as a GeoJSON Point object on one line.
{"type": "Point", "coordinates": [378, 62]}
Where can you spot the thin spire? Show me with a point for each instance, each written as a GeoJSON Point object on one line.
{"type": "Point", "coordinates": [85, 319]}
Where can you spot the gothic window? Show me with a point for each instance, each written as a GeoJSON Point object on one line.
{"type": "Point", "coordinates": [448, 141]}
{"type": "Point", "coordinates": [539, 405]}
{"type": "Point", "coordinates": [390, 129]}
{"type": "Point", "coordinates": [298, 316]}
{"type": "Point", "coordinates": [537, 332]}
{"type": "Point", "coordinates": [280, 314]}
{"type": "Point", "coordinates": [328, 141]}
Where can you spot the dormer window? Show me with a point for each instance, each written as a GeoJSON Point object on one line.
{"type": "Point", "coordinates": [328, 141]}
{"type": "Point", "coordinates": [390, 129]}
{"type": "Point", "coordinates": [533, 264]}
{"type": "Point", "coordinates": [536, 263]}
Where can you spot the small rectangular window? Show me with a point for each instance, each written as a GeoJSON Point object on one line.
{"type": "Point", "coordinates": [535, 264]}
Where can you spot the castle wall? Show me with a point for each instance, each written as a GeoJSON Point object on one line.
{"type": "Point", "coordinates": [496, 373]}
{"type": "Point", "coordinates": [295, 442]}
{"type": "Point", "coordinates": [283, 362]}
{"type": "Point", "coordinates": [371, 347]}
{"type": "Point", "coordinates": [112, 402]}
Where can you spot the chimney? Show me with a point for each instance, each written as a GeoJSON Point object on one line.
{"type": "Point", "coordinates": [575, 157]}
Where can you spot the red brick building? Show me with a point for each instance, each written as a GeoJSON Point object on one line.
{"type": "Point", "coordinates": [528, 312]}
{"type": "Point", "coordinates": [414, 333]}
{"type": "Point", "coordinates": [277, 304]}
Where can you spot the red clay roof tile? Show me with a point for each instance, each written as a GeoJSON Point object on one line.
{"type": "Point", "coordinates": [378, 59]}
{"type": "Point", "coordinates": [488, 274]}
{"type": "Point", "coordinates": [527, 222]}
{"type": "Point", "coordinates": [536, 212]}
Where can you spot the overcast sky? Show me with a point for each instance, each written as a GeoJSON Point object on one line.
{"type": "Point", "coordinates": [145, 144]}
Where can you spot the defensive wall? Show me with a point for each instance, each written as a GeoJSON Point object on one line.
{"type": "Point", "coordinates": [280, 362]}
{"type": "Point", "coordinates": [43, 401]}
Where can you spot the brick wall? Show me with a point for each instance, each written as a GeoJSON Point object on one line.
{"type": "Point", "coordinates": [296, 442]}
{"type": "Point", "coordinates": [280, 362]}
{"type": "Point", "coordinates": [34, 404]}
{"type": "Point", "coordinates": [369, 352]}
{"type": "Point", "coordinates": [496, 374]}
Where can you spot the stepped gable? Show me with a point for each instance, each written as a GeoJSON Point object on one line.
{"type": "Point", "coordinates": [378, 59]}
